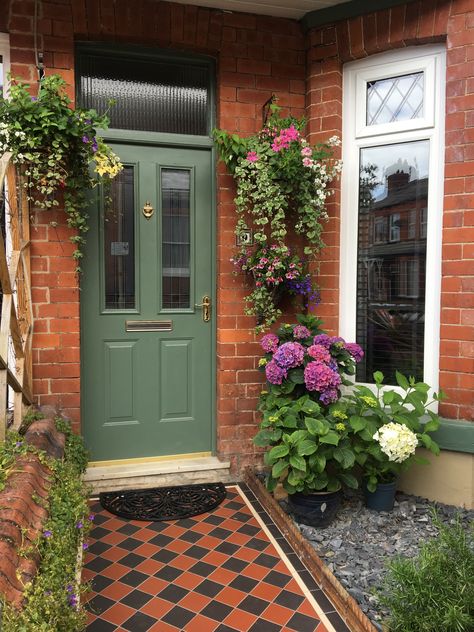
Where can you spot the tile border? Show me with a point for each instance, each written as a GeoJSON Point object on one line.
{"type": "Point", "coordinates": [287, 561]}
{"type": "Point", "coordinates": [345, 605]}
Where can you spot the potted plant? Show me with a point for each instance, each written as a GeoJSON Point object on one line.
{"type": "Point", "coordinates": [309, 446]}
{"type": "Point", "coordinates": [282, 186]}
{"type": "Point", "coordinates": [387, 427]}
{"type": "Point", "coordinates": [54, 147]}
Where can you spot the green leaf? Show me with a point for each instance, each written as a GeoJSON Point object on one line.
{"type": "Point", "coordinates": [349, 480]}
{"type": "Point", "coordinates": [316, 426]}
{"type": "Point", "coordinates": [262, 438]}
{"type": "Point", "coordinates": [402, 381]}
{"type": "Point", "coordinates": [388, 397]}
{"type": "Point", "coordinates": [331, 437]}
{"type": "Point", "coordinates": [317, 462]}
{"type": "Point", "coordinates": [307, 447]}
{"type": "Point", "coordinates": [310, 407]}
{"type": "Point", "coordinates": [378, 377]}
{"type": "Point", "coordinates": [278, 452]}
{"type": "Point", "coordinates": [296, 376]}
{"type": "Point", "coordinates": [429, 443]}
{"type": "Point", "coordinates": [279, 467]}
{"type": "Point", "coordinates": [357, 423]}
{"type": "Point", "coordinates": [431, 426]}
{"type": "Point", "coordinates": [298, 462]}
{"type": "Point", "coordinates": [345, 457]}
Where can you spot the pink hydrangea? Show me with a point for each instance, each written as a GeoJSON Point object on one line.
{"type": "Point", "coordinates": [355, 350]}
{"type": "Point", "coordinates": [300, 331]}
{"type": "Point", "coordinates": [269, 343]}
{"type": "Point", "coordinates": [320, 377]}
{"type": "Point", "coordinates": [289, 355]}
{"type": "Point", "coordinates": [274, 373]}
{"type": "Point", "coordinates": [307, 152]}
{"type": "Point", "coordinates": [252, 156]}
{"type": "Point", "coordinates": [308, 162]}
{"type": "Point", "coordinates": [318, 352]}
{"type": "Point", "coordinates": [322, 339]}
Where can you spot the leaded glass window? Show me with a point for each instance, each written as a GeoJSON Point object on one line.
{"type": "Point", "coordinates": [395, 99]}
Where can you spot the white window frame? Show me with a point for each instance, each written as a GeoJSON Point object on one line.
{"type": "Point", "coordinates": [5, 55]}
{"type": "Point", "coordinates": [356, 136]}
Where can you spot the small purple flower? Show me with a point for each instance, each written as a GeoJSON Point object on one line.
{"type": "Point", "coordinates": [289, 355]}
{"type": "Point", "coordinates": [320, 377]}
{"type": "Point", "coordinates": [329, 396]}
{"type": "Point", "coordinates": [322, 339]}
{"type": "Point", "coordinates": [270, 343]}
{"type": "Point", "coordinates": [91, 517]}
{"type": "Point", "coordinates": [69, 588]}
{"type": "Point", "coordinates": [18, 444]}
{"type": "Point", "coordinates": [72, 600]}
{"type": "Point", "coordinates": [85, 139]}
{"type": "Point", "coordinates": [318, 352]}
{"type": "Point", "coordinates": [79, 524]}
{"type": "Point", "coordinates": [300, 332]}
{"type": "Point", "coordinates": [85, 546]}
{"type": "Point", "coordinates": [34, 98]}
{"type": "Point", "coordinates": [95, 146]}
{"type": "Point", "coordinates": [274, 373]}
{"type": "Point", "coordinates": [355, 350]}
{"type": "Point", "coordinates": [47, 533]}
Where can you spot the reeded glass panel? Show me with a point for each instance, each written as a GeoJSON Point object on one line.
{"type": "Point", "coordinates": [176, 212]}
{"type": "Point", "coordinates": [395, 99]}
{"type": "Point", "coordinates": [391, 259]}
{"type": "Point", "coordinates": [150, 95]}
{"type": "Point", "coordinates": [119, 242]}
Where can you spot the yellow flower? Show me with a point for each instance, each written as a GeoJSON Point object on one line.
{"type": "Point", "coordinates": [340, 427]}
{"type": "Point", "coordinates": [370, 401]}
{"type": "Point", "coordinates": [262, 362]}
{"type": "Point", "coordinates": [264, 393]}
{"type": "Point", "coordinates": [338, 414]}
{"type": "Point", "coordinates": [272, 418]}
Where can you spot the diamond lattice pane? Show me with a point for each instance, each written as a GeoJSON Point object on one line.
{"type": "Point", "coordinates": [395, 99]}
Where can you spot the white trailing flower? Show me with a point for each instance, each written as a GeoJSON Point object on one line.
{"type": "Point", "coordinates": [397, 441]}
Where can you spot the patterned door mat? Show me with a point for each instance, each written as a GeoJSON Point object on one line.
{"type": "Point", "coordinates": [164, 503]}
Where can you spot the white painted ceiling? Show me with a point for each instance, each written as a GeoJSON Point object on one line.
{"type": "Point", "coordinates": [295, 9]}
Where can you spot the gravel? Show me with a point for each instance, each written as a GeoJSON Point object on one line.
{"type": "Point", "coordinates": [360, 541]}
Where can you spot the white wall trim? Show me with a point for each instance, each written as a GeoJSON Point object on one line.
{"type": "Point", "coordinates": [5, 54]}
{"type": "Point", "coordinates": [357, 136]}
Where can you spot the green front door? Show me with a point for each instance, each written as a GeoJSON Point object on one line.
{"type": "Point", "coordinates": [147, 344]}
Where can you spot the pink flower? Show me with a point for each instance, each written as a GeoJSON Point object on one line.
{"type": "Point", "coordinates": [300, 331]}
{"type": "Point", "coordinates": [307, 152]}
{"type": "Point", "coordinates": [274, 373]}
{"type": "Point", "coordinates": [252, 156]}
{"type": "Point", "coordinates": [270, 343]}
{"type": "Point", "coordinates": [289, 355]}
{"type": "Point", "coordinates": [320, 377]}
{"type": "Point", "coordinates": [318, 352]}
{"type": "Point", "coordinates": [355, 350]}
{"type": "Point", "coordinates": [308, 162]}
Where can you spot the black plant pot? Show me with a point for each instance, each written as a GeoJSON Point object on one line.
{"type": "Point", "coordinates": [317, 509]}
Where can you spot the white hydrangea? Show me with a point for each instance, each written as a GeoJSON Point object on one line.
{"type": "Point", "coordinates": [397, 441]}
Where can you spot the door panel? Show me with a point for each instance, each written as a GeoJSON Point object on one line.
{"type": "Point", "coordinates": [146, 350]}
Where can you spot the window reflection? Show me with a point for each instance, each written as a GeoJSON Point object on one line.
{"type": "Point", "coordinates": [393, 190]}
{"type": "Point", "coordinates": [119, 246]}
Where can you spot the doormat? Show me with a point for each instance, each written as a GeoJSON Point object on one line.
{"type": "Point", "coordinates": [164, 503]}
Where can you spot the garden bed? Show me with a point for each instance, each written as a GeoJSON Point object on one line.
{"type": "Point", "coordinates": [358, 544]}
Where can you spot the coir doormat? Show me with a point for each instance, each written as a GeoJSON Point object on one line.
{"type": "Point", "coordinates": [164, 503]}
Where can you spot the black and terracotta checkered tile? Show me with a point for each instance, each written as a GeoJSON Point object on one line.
{"type": "Point", "coordinates": [226, 571]}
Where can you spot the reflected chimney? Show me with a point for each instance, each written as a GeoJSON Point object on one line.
{"type": "Point", "coordinates": [396, 181]}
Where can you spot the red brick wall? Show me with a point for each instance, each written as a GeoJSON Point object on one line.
{"type": "Point", "coordinates": [256, 56]}
{"type": "Point", "coordinates": [421, 22]}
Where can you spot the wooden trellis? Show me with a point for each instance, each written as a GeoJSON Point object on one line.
{"type": "Point", "coordinates": [16, 324]}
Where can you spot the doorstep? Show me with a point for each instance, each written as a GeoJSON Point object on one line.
{"type": "Point", "coordinates": [160, 473]}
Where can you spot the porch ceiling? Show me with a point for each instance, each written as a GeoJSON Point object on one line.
{"type": "Point", "coordinates": [295, 9]}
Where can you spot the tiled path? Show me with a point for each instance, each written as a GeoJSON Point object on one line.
{"type": "Point", "coordinates": [230, 570]}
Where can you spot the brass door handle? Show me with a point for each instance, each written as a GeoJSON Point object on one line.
{"type": "Point", "coordinates": [206, 308]}
{"type": "Point", "coordinates": [148, 210]}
